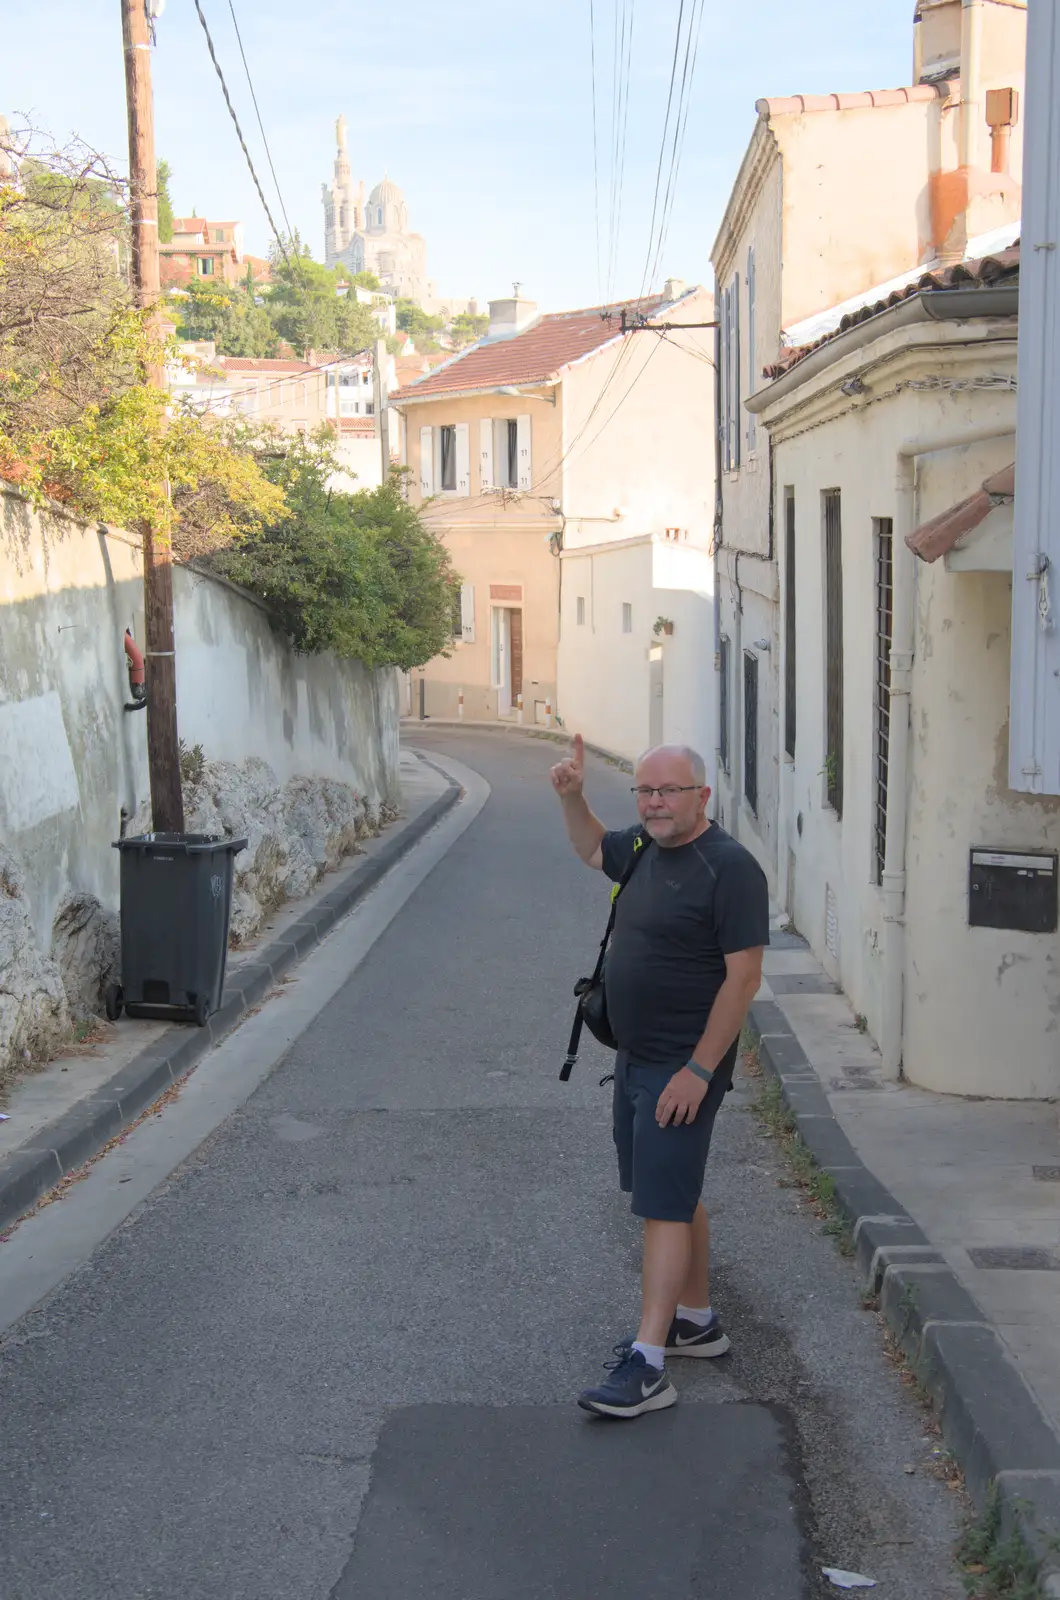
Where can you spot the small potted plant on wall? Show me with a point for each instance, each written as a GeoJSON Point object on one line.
{"type": "Point", "coordinates": [663, 625]}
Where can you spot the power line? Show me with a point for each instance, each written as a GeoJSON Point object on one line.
{"type": "Point", "coordinates": [662, 146]}
{"type": "Point", "coordinates": [257, 113]}
{"type": "Point", "coordinates": [683, 107]}
{"type": "Point", "coordinates": [596, 157]}
{"type": "Point", "coordinates": [239, 131]}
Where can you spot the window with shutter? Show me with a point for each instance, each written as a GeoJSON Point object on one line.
{"type": "Point", "coordinates": [736, 421]}
{"type": "Point", "coordinates": [426, 462]}
{"type": "Point", "coordinates": [523, 440]}
{"type": "Point", "coordinates": [752, 370]}
{"type": "Point", "coordinates": [463, 458]}
{"type": "Point", "coordinates": [485, 457]}
{"type": "Point", "coordinates": [581, 611]}
{"type": "Point", "coordinates": [467, 613]}
{"type": "Point", "coordinates": [447, 459]}
{"type": "Point", "coordinates": [833, 629]}
{"type": "Point", "coordinates": [726, 386]}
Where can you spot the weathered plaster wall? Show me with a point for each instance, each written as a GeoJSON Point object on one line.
{"type": "Point", "coordinates": [71, 760]}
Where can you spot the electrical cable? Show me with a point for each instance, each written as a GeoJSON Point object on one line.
{"type": "Point", "coordinates": [239, 131]}
{"type": "Point", "coordinates": [261, 125]}
{"type": "Point", "coordinates": [596, 156]}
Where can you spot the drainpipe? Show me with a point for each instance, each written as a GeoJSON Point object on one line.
{"type": "Point", "coordinates": [903, 638]}
{"type": "Point", "coordinates": [971, 77]}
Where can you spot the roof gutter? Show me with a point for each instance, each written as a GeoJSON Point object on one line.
{"type": "Point", "coordinates": [410, 398]}
{"type": "Point", "coordinates": [930, 305]}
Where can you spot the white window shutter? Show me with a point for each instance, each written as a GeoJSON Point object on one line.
{"type": "Point", "coordinates": [525, 464]}
{"type": "Point", "coordinates": [485, 455]}
{"type": "Point", "coordinates": [467, 613]}
{"type": "Point", "coordinates": [737, 397]}
{"type": "Point", "coordinates": [463, 458]}
{"type": "Point", "coordinates": [426, 462]}
{"type": "Point", "coordinates": [752, 373]}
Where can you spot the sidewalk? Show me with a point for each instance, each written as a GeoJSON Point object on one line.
{"type": "Point", "coordinates": [954, 1206]}
{"type": "Point", "coordinates": [62, 1116]}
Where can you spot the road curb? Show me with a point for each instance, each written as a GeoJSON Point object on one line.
{"type": "Point", "coordinates": [990, 1419]}
{"type": "Point", "coordinates": [62, 1146]}
{"type": "Point", "coordinates": [533, 731]}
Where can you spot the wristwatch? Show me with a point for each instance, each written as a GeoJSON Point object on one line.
{"type": "Point", "coordinates": [700, 1072]}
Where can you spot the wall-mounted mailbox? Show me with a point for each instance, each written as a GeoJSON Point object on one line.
{"type": "Point", "coordinates": [1013, 889]}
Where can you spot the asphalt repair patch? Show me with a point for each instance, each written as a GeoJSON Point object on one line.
{"type": "Point", "coordinates": [542, 1503]}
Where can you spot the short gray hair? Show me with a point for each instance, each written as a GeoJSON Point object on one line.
{"type": "Point", "coordinates": [693, 757]}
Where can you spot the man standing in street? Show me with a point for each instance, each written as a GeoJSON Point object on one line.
{"type": "Point", "coordinates": [684, 965]}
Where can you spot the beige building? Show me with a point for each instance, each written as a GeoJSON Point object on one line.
{"type": "Point", "coordinates": [924, 884]}
{"type": "Point", "coordinates": [294, 396]}
{"type": "Point", "coordinates": [840, 198]}
{"type": "Point", "coordinates": [561, 460]}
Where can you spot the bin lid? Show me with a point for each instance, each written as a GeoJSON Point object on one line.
{"type": "Point", "coordinates": [188, 843]}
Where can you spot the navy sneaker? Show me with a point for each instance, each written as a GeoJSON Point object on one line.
{"type": "Point", "coordinates": [689, 1339]}
{"type": "Point", "coordinates": [633, 1388]}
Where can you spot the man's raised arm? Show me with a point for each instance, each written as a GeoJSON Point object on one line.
{"type": "Point", "coordinates": [584, 830]}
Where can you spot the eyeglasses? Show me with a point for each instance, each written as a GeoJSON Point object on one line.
{"type": "Point", "coordinates": [665, 791]}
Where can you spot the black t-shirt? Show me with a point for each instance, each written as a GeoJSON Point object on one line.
{"type": "Point", "coordinates": [682, 912]}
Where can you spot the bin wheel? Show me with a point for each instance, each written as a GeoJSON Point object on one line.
{"type": "Point", "coordinates": [112, 1002]}
{"type": "Point", "coordinates": [202, 1011]}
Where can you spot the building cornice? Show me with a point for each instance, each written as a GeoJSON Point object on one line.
{"type": "Point", "coordinates": [925, 357]}
{"type": "Point", "coordinates": [762, 151]}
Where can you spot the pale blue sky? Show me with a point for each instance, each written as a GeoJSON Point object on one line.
{"type": "Point", "coordinates": [481, 113]}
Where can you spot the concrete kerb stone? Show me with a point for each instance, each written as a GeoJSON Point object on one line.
{"type": "Point", "coordinates": [990, 1418]}
{"type": "Point", "coordinates": [60, 1147]}
{"type": "Point", "coordinates": [533, 731]}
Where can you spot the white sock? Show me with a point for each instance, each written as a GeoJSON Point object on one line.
{"type": "Point", "coordinates": [700, 1315]}
{"type": "Point", "coordinates": [654, 1354]}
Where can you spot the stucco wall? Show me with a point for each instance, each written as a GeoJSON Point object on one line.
{"type": "Point", "coordinates": [625, 691]}
{"type": "Point", "coordinates": [638, 421]}
{"type": "Point", "coordinates": [71, 759]}
{"type": "Point", "coordinates": [981, 1007]}
{"type": "Point", "coordinates": [982, 1004]}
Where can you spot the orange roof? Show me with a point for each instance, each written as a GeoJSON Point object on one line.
{"type": "Point", "coordinates": [266, 364]}
{"type": "Point", "coordinates": [797, 104]}
{"type": "Point", "coordinates": [933, 539]}
{"type": "Point", "coordinates": [189, 224]}
{"type": "Point", "coordinates": [537, 353]}
{"type": "Point", "coordinates": [1002, 266]}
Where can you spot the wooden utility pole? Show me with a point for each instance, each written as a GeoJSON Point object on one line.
{"type": "Point", "coordinates": [379, 390]}
{"type": "Point", "coordinates": [163, 754]}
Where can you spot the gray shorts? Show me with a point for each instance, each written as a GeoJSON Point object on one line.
{"type": "Point", "coordinates": [663, 1168]}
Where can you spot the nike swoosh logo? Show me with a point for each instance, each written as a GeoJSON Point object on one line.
{"type": "Point", "coordinates": [692, 1338]}
{"type": "Point", "coordinates": [648, 1389]}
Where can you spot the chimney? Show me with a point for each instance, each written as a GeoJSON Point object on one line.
{"type": "Point", "coordinates": [511, 316]}
{"type": "Point", "coordinates": [673, 289]}
{"type": "Point", "coordinates": [936, 40]}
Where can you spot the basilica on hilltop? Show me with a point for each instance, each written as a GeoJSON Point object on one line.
{"type": "Point", "coordinates": [373, 235]}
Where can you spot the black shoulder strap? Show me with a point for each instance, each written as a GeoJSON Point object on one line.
{"type": "Point", "coordinates": [639, 843]}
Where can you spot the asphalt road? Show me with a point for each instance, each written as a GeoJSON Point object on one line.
{"type": "Point", "coordinates": [335, 1353]}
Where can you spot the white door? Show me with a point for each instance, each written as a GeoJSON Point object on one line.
{"type": "Point", "coordinates": [501, 639]}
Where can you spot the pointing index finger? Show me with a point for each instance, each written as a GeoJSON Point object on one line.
{"type": "Point", "coordinates": [579, 750]}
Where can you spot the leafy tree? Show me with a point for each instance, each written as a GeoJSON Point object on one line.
{"type": "Point", "coordinates": [77, 422]}
{"type": "Point", "coordinates": [413, 320]}
{"type": "Point", "coordinates": [366, 280]}
{"type": "Point", "coordinates": [307, 310]}
{"type": "Point", "coordinates": [465, 329]}
{"type": "Point", "coordinates": [227, 315]}
{"type": "Point", "coordinates": [165, 204]}
{"type": "Point", "coordinates": [359, 573]}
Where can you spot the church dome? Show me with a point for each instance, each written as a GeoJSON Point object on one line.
{"type": "Point", "coordinates": [386, 194]}
{"type": "Point", "coordinates": [386, 211]}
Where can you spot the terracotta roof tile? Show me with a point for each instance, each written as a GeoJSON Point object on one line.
{"type": "Point", "coordinates": [265, 365]}
{"type": "Point", "coordinates": [798, 104]}
{"type": "Point", "coordinates": [1001, 267]}
{"type": "Point", "coordinates": [934, 538]}
{"type": "Point", "coordinates": [536, 354]}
